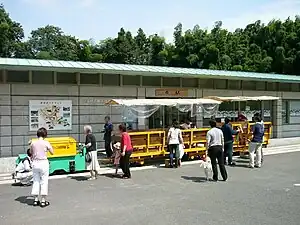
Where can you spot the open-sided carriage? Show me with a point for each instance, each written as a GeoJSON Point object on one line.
{"type": "Point", "coordinates": [240, 140]}
{"type": "Point", "coordinates": [151, 143]}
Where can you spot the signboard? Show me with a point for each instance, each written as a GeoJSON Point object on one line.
{"type": "Point", "coordinates": [50, 114]}
{"type": "Point", "coordinates": [172, 92]}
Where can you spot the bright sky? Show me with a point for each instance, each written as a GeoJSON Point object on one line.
{"type": "Point", "coordinates": [99, 19]}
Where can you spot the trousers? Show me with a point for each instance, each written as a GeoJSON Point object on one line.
{"type": "Point", "coordinates": [255, 148]}
{"type": "Point", "coordinates": [228, 151]}
{"type": "Point", "coordinates": [174, 150]}
{"type": "Point", "coordinates": [216, 153]}
{"type": "Point", "coordinates": [125, 164]}
{"type": "Point", "coordinates": [107, 148]}
{"type": "Point", "coordinates": [40, 170]}
{"type": "Point", "coordinates": [25, 178]}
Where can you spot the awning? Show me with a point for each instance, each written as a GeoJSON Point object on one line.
{"type": "Point", "coordinates": [243, 98]}
{"type": "Point", "coordinates": [162, 102]}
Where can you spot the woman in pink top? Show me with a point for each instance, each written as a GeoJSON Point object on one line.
{"type": "Point", "coordinates": [126, 150]}
{"type": "Point", "coordinates": [40, 167]}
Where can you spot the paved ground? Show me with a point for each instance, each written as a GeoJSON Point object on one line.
{"type": "Point", "coordinates": [167, 196]}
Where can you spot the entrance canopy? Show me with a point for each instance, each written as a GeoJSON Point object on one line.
{"type": "Point", "coordinates": [144, 108]}
{"type": "Point", "coordinates": [162, 102]}
{"type": "Point", "coordinates": [243, 98]}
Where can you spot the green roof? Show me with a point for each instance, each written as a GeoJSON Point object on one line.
{"type": "Point", "coordinates": [110, 68]}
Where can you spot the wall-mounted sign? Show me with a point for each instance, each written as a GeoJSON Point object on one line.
{"type": "Point", "coordinates": [174, 92]}
{"type": "Point", "coordinates": [51, 114]}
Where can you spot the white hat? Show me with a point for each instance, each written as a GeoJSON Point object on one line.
{"type": "Point", "coordinates": [117, 145]}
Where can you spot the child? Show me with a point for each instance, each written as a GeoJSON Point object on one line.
{"type": "Point", "coordinates": [116, 148]}
{"type": "Point", "coordinates": [23, 171]}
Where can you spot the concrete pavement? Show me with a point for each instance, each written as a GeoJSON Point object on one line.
{"type": "Point", "coordinates": [167, 196]}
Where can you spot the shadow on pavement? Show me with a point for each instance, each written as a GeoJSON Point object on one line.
{"type": "Point", "coordinates": [80, 178]}
{"type": "Point", "coordinates": [28, 200]}
{"type": "Point", "coordinates": [111, 175]}
{"type": "Point", "coordinates": [245, 165]}
{"type": "Point", "coordinates": [195, 179]}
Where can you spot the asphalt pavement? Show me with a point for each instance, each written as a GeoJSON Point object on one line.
{"type": "Point", "coordinates": [167, 196]}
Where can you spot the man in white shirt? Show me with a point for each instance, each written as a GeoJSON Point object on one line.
{"type": "Point", "coordinates": [215, 148]}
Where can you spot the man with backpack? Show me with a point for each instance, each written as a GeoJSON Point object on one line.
{"type": "Point", "coordinates": [256, 142]}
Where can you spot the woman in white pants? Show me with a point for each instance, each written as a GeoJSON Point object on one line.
{"type": "Point", "coordinates": [40, 168]}
{"type": "Point", "coordinates": [91, 148]}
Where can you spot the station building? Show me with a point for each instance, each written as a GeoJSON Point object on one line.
{"type": "Point", "coordinates": [89, 85]}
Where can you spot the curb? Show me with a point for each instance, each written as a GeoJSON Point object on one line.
{"type": "Point", "coordinates": [7, 179]}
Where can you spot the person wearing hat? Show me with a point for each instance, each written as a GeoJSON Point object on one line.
{"type": "Point", "coordinates": [116, 149]}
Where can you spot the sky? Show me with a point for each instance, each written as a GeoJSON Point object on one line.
{"type": "Point", "coordinates": [99, 19]}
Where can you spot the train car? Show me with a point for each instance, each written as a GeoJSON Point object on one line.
{"type": "Point", "coordinates": [68, 156]}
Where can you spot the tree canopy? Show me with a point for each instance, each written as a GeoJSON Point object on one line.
{"type": "Point", "coordinates": [269, 48]}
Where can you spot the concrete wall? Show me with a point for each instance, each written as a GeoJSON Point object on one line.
{"type": "Point", "coordinates": [89, 108]}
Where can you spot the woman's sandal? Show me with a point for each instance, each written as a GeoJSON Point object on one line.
{"type": "Point", "coordinates": [36, 203]}
{"type": "Point", "coordinates": [44, 204]}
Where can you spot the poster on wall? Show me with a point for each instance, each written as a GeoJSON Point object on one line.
{"type": "Point", "coordinates": [51, 114]}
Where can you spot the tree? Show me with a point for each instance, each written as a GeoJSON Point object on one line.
{"type": "Point", "coordinates": [258, 47]}
{"type": "Point", "coordinates": [50, 42]}
{"type": "Point", "coordinates": [11, 35]}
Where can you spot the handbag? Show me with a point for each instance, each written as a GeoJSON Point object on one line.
{"type": "Point", "coordinates": [88, 157]}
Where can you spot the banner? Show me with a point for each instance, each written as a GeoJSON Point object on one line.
{"type": "Point", "coordinates": [50, 114]}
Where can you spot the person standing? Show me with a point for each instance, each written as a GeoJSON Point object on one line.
{"type": "Point", "coordinates": [215, 146]}
{"type": "Point", "coordinates": [91, 149]}
{"type": "Point", "coordinates": [255, 144]}
{"type": "Point", "coordinates": [40, 167]}
{"type": "Point", "coordinates": [174, 139]}
{"type": "Point", "coordinates": [108, 128]}
{"type": "Point", "coordinates": [262, 123]}
{"type": "Point", "coordinates": [228, 141]}
{"type": "Point", "coordinates": [126, 151]}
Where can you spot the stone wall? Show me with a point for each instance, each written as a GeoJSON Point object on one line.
{"type": "Point", "coordinates": [88, 108]}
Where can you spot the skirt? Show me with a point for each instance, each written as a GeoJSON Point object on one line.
{"type": "Point", "coordinates": [94, 164]}
{"type": "Point", "coordinates": [117, 157]}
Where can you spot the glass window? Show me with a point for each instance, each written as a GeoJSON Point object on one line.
{"type": "Point", "coordinates": [111, 79]}
{"type": "Point", "coordinates": [206, 83]}
{"type": "Point", "coordinates": [284, 87]}
{"type": "Point", "coordinates": [17, 76]}
{"type": "Point", "coordinates": [234, 84]}
{"type": "Point", "coordinates": [220, 84]}
{"type": "Point", "coordinates": [42, 77]}
{"type": "Point", "coordinates": [260, 86]}
{"type": "Point", "coordinates": [171, 81]}
{"type": "Point", "coordinates": [89, 78]}
{"type": "Point", "coordinates": [151, 81]}
{"type": "Point", "coordinates": [284, 112]}
{"type": "Point", "coordinates": [1, 76]}
{"type": "Point", "coordinates": [131, 80]}
{"type": "Point", "coordinates": [249, 85]}
{"type": "Point", "coordinates": [189, 82]}
{"type": "Point", "coordinates": [66, 78]}
{"type": "Point", "coordinates": [227, 109]}
{"type": "Point", "coordinates": [267, 116]}
{"type": "Point", "coordinates": [294, 87]}
{"type": "Point", "coordinates": [294, 112]}
{"type": "Point", "coordinates": [271, 86]}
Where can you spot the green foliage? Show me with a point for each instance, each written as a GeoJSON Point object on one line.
{"type": "Point", "coordinates": [267, 48]}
